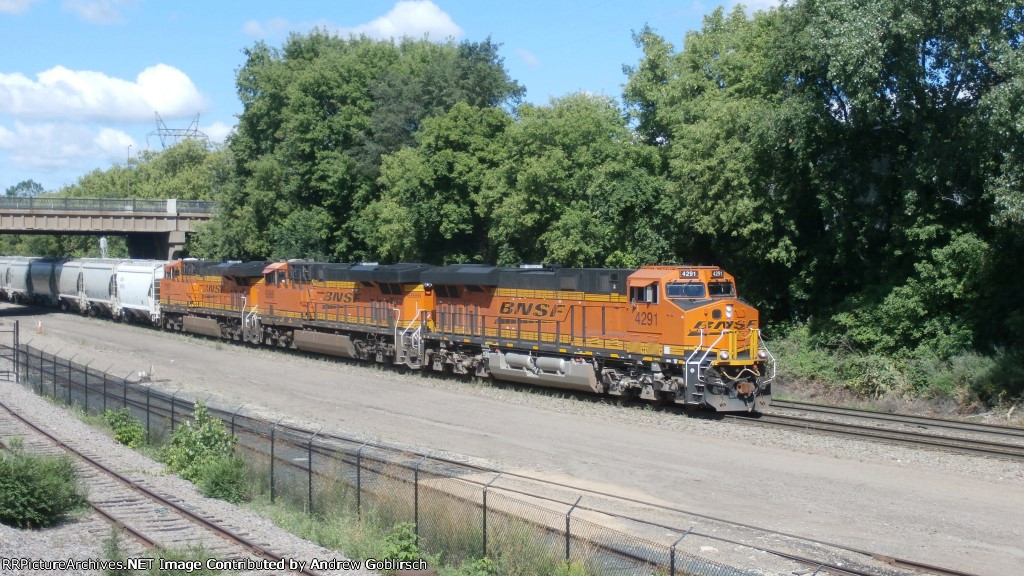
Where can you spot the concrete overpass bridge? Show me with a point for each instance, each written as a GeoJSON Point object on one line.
{"type": "Point", "coordinates": [154, 228]}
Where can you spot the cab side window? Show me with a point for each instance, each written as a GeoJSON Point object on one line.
{"type": "Point", "coordinates": [644, 294]}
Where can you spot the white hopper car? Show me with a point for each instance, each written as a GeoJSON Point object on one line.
{"type": "Point", "coordinates": [123, 289]}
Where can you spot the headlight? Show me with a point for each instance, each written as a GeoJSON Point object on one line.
{"type": "Point", "coordinates": [728, 310]}
{"type": "Point", "coordinates": [762, 354]}
{"type": "Point", "coordinates": [724, 354]}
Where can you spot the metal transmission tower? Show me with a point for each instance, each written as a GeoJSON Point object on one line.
{"type": "Point", "coordinates": [175, 135]}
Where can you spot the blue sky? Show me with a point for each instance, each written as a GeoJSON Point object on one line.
{"type": "Point", "coordinates": [80, 80]}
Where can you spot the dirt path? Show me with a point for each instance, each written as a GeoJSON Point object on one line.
{"type": "Point", "coordinates": [952, 511]}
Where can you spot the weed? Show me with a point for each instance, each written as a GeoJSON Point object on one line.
{"type": "Point", "coordinates": [127, 429]}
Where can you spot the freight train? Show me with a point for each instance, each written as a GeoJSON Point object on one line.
{"type": "Point", "coordinates": [670, 334]}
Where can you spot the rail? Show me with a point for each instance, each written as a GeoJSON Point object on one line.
{"type": "Point", "coordinates": [128, 205]}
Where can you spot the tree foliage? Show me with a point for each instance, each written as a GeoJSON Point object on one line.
{"type": "Point", "coordinates": [319, 115]}
{"type": "Point", "coordinates": [24, 189]}
{"type": "Point", "coordinates": [859, 161]}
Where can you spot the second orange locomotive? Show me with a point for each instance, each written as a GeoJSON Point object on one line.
{"type": "Point", "coordinates": [674, 334]}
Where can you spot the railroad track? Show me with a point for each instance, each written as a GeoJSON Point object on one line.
{"type": "Point", "coordinates": [933, 433]}
{"type": "Point", "coordinates": [154, 520]}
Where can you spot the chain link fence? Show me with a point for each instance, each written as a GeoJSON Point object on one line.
{"type": "Point", "coordinates": [458, 510]}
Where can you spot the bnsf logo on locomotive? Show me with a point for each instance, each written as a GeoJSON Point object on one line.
{"type": "Point", "coordinates": [723, 325]}
{"type": "Point", "coordinates": [531, 309]}
{"type": "Point", "coordinates": [343, 297]}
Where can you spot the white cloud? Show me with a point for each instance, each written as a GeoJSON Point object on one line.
{"type": "Point", "coordinates": [15, 6]}
{"type": "Point", "coordinates": [60, 93]}
{"type": "Point", "coordinates": [218, 131]}
{"type": "Point", "coordinates": [98, 11]}
{"type": "Point", "coordinates": [410, 18]}
{"type": "Point", "coordinates": [528, 58]}
{"type": "Point", "coordinates": [755, 5]}
{"type": "Point", "coordinates": [413, 18]}
{"type": "Point", "coordinates": [49, 147]}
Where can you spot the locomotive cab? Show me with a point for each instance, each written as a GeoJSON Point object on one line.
{"type": "Point", "coordinates": [733, 365]}
{"type": "Point", "coordinates": [710, 338]}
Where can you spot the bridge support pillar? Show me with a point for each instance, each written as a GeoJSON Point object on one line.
{"type": "Point", "coordinates": [156, 246]}
{"type": "Point", "coordinates": [175, 244]}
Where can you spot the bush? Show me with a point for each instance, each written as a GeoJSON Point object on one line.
{"type": "Point", "coordinates": [37, 490]}
{"type": "Point", "coordinates": [197, 444]}
{"type": "Point", "coordinates": [224, 478]}
{"type": "Point", "coordinates": [127, 429]}
{"type": "Point", "coordinates": [402, 543]}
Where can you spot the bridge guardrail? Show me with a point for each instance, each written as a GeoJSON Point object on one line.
{"type": "Point", "coordinates": [170, 206]}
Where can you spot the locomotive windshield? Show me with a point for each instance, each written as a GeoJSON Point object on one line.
{"type": "Point", "coordinates": [685, 290]}
{"type": "Point", "coordinates": [720, 289]}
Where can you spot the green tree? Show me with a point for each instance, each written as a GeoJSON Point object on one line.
{"type": "Point", "coordinates": [25, 189]}
{"type": "Point", "coordinates": [427, 209]}
{"type": "Point", "coordinates": [575, 188]}
{"type": "Point", "coordinates": [318, 116]}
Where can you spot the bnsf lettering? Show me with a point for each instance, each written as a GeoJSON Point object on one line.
{"type": "Point", "coordinates": [342, 297]}
{"type": "Point", "coordinates": [725, 325]}
{"type": "Point", "coordinates": [531, 309]}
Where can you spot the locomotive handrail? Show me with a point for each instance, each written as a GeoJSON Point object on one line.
{"type": "Point", "coordinates": [700, 374]}
{"type": "Point", "coordinates": [771, 356]}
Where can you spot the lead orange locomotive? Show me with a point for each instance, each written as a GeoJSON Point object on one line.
{"type": "Point", "coordinates": [674, 334]}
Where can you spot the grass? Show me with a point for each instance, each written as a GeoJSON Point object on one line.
{"type": "Point", "coordinates": [450, 536]}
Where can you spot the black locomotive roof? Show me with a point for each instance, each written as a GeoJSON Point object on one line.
{"type": "Point", "coordinates": [238, 269]}
{"type": "Point", "coordinates": [214, 268]}
{"type": "Point", "coordinates": [463, 275]}
{"type": "Point", "coordinates": [589, 280]}
{"type": "Point", "coordinates": [406, 273]}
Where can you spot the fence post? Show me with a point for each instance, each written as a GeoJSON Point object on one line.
{"type": "Point", "coordinates": [359, 481]}
{"type": "Point", "coordinates": [42, 376]}
{"type": "Point", "coordinates": [124, 391]}
{"type": "Point", "coordinates": [40, 370]}
{"type": "Point", "coordinates": [672, 556]}
{"type": "Point", "coordinates": [86, 372]}
{"type": "Point", "coordinates": [53, 374]}
{"type": "Point", "coordinates": [485, 511]}
{"type": "Point", "coordinates": [233, 414]}
{"type": "Point", "coordinates": [147, 414]}
{"type": "Point", "coordinates": [17, 364]}
{"type": "Point", "coordinates": [309, 464]}
{"type": "Point", "coordinates": [567, 532]}
{"type": "Point", "coordinates": [173, 400]}
{"type": "Point", "coordinates": [416, 495]}
{"type": "Point", "coordinates": [273, 431]}
{"type": "Point", "coordinates": [104, 391]}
